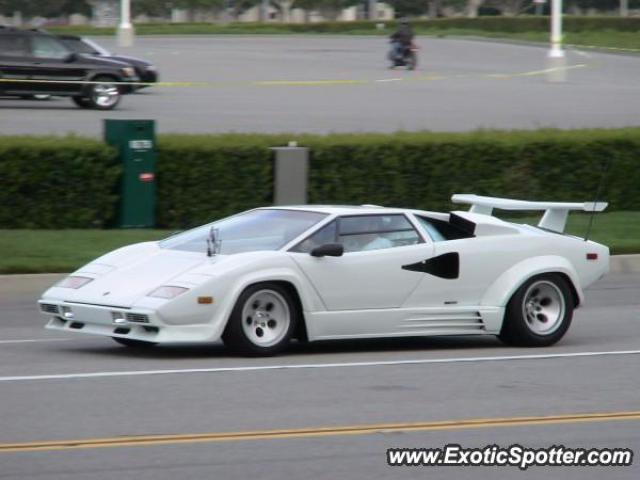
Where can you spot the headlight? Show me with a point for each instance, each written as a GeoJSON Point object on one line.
{"type": "Point", "coordinates": [128, 71]}
{"type": "Point", "coordinates": [73, 281]}
{"type": "Point", "coordinates": [167, 291]}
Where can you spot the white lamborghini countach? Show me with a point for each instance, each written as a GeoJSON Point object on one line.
{"type": "Point", "coordinates": [263, 277]}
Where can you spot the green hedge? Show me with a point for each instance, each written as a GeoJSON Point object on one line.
{"type": "Point", "coordinates": [63, 183]}
{"type": "Point", "coordinates": [489, 24]}
{"type": "Point", "coordinates": [203, 177]}
{"type": "Point", "coordinates": [423, 170]}
{"type": "Point", "coordinates": [56, 183]}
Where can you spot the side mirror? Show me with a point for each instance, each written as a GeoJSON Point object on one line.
{"type": "Point", "coordinates": [72, 57]}
{"type": "Point", "coordinates": [328, 250]}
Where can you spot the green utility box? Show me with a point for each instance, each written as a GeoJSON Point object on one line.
{"type": "Point", "coordinates": [136, 144]}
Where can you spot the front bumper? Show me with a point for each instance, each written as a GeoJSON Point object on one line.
{"type": "Point", "coordinates": [135, 324]}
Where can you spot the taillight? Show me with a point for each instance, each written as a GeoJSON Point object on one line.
{"type": "Point", "coordinates": [592, 256]}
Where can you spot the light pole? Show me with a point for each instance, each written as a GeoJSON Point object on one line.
{"type": "Point", "coordinates": [557, 61]}
{"type": "Point", "coordinates": [126, 34]}
{"type": "Point", "coordinates": [373, 9]}
{"type": "Point", "coordinates": [556, 30]}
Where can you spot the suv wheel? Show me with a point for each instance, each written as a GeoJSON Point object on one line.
{"type": "Point", "coordinates": [103, 96]}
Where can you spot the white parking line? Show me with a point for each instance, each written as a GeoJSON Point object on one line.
{"type": "Point", "coordinates": [35, 340]}
{"type": "Point", "coordinates": [425, 361]}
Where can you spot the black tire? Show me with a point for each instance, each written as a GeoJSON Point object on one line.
{"type": "Point", "coordinates": [531, 319]}
{"type": "Point", "coordinates": [130, 342]}
{"type": "Point", "coordinates": [257, 326]}
{"type": "Point", "coordinates": [412, 60]}
{"type": "Point", "coordinates": [104, 96]}
{"type": "Point", "coordinates": [82, 102]}
{"type": "Point", "coordinates": [39, 97]}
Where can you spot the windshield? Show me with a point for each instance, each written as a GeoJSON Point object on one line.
{"type": "Point", "coordinates": [247, 232]}
{"type": "Point", "coordinates": [84, 46]}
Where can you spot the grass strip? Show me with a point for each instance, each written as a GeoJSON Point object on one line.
{"type": "Point", "coordinates": [45, 251]}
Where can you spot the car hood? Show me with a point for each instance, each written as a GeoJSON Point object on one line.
{"type": "Point", "coordinates": [136, 62]}
{"type": "Point", "coordinates": [122, 277]}
{"type": "Point", "coordinates": [105, 61]}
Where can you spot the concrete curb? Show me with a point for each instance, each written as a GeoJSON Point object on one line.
{"type": "Point", "coordinates": [625, 264]}
{"type": "Point", "coordinates": [16, 284]}
{"type": "Point", "coordinates": [29, 283]}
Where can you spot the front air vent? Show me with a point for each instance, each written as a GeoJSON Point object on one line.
{"type": "Point", "coordinates": [49, 308]}
{"type": "Point", "coordinates": [137, 318]}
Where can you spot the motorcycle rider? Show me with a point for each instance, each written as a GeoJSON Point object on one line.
{"type": "Point", "coordinates": [402, 38]}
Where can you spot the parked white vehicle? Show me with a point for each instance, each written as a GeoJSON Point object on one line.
{"type": "Point", "coordinates": [262, 277]}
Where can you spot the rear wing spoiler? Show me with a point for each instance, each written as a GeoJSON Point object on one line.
{"type": "Point", "coordinates": [555, 213]}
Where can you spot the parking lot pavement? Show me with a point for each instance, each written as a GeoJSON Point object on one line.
{"type": "Point", "coordinates": [342, 84]}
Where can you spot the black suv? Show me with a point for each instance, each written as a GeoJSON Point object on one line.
{"type": "Point", "coordinates": [145, 70]}
{"type": "Point", "coordinates": [37, 63]}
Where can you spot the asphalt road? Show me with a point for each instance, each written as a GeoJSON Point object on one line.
{"type": "Point", "coordinates": [77, 389]}
{"type": "Point", "coordinates": [341, 84]}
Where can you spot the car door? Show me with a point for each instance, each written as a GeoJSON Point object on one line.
{"type": "Point", "coordinates": [476, 263]}
{"type": "Point", "coordinates": [370, 273]}
{"type": "Point", "coordinates": [52, 61]}
{"type": "Point", "coordinates": [14, 63]}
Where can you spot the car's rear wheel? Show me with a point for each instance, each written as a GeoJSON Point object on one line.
{"type": "Point", "coordinates": [263, 320]}
{"type": "Point", "coordinates": [104, 95]}
{"type": "Point", "coordinates": [539, 313]}
{"type": "Point", "coordinates": [39, 96]}
{"type": "Point", "coordinates": [130, 342]}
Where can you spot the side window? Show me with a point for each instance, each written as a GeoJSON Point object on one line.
{"type": "Point", "coordinates": [440, 230]}
{"type": "Point", "coordinates": [326, 234]}
{"type": "Point", "coordinates": [433, 232]}
{"type": "Point", "coordinates": [45, 47]}
{"type": "Point", "coordinates": [376, 232]}
{"type": "Point", "coordinates": [13, 46]}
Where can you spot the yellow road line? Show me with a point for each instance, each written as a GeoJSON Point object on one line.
{"type": "Point", "coordinates": [148, 440]}
{"type": "Point", "coordinates": [536, 72]}
{"type": "Point", "coordinates": [305, 83]}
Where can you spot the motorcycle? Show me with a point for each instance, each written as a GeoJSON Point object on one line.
{"type": "Point", "coordinates": [403, 56]}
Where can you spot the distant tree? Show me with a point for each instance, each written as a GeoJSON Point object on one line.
{"type": "Point", "coordinates": [40, 8]}
{"type": "Point", "coordinates": [409, 8]}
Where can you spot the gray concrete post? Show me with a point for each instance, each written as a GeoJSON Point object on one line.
{"type": "Point", "coordinates": [291, 175]}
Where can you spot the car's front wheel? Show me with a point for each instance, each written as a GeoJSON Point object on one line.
{"type": "Point", "coordinates": [263, 320]}
{"type": "Point", "coordinates": [104, 95]}
{"type": "Point", "coordinates": [539, 313]}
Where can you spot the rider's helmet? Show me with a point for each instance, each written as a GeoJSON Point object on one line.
{"type": "Point", "coordinates": [404, 21]}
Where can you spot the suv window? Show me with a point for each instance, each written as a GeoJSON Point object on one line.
{"type": "Point", "coordinates": [47, 47]}
{"type": "Point", "coordinates": [364, 232]}
{"type": "Point", "coordinates": [14, 46]}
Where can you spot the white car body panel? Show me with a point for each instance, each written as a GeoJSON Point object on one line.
{"type": "Point", "coordinates": [360, 294]}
